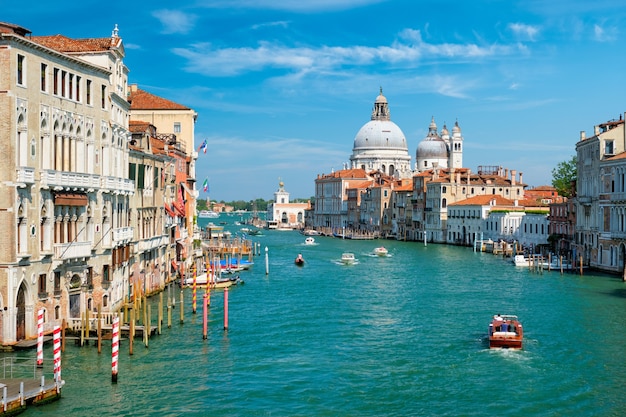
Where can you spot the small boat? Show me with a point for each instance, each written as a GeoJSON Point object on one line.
{"type": "Point", "coordinates": [520, 260]}
{"type": "Point", "coordinates": [381, 251]}
{"type": "Point", "coordinates": [214, 282]}
{"type": "Point", "coordinates": [310, 232]}
{"type": "Point", "coordinates": [347, 258]}
{"type": "Point", "coordinates": [208, 214]}
{"type": "Point", "coordinates": [309, 241]}
{"type": "Point", "coordinates": [505, 332]}
{"type": "Point", "coordinates": [299, 260]}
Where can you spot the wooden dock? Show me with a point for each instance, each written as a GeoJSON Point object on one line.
{"type": "Point", "coordinates": [25, 384]}
{"type": "Point", "coordinates": [17, 394]}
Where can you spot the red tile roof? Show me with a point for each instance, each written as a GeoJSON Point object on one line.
{"type": "Point", "coordinates": [67, 45]}
{"type": "Point", "coordinates": [484, 200]}
{"type": "Point", "coordinates": [142, 100]}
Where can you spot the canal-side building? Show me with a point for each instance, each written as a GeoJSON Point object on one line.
{"type": "Point", "coordinates": [175, 125]}
{"type": "Point", "coordinates": [468, 219]}
{"type": "Point", "coordinates": [284, 214]}
{"type": "Point", "coordinates": [330, 211]}
{"type": "Point", "coordinates": [65, 192]}
{"type": "Point", "coordinates": [157, 223]}
{"type": "Point", "coordinates": [600, 197]}
{"type": "Point", "coordinates": [400, 207]}
{"type": "Point", "coordinates": [439, 187]}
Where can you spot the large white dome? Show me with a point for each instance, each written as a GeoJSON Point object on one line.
{"type": "Point", "coordinates": [380, 134]}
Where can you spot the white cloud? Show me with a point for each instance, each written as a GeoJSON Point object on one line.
{"type": "Point", "coordinates": [604, 34]}
{"type": "Point", "coordinates": [203, 58]}
{"type": "Point", "coordinates": [175, 21]}
{"type": "Point", "coordinates": [281, 23]}
{"type": "Point", "coordinates": [524, 32]}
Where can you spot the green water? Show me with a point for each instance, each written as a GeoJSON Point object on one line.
{"type": "Point", "coordinates": [403, 335]}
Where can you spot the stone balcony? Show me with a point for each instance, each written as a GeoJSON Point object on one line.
{"type": "Point", "coordinates": [69, 180]}
{"type": "Point", "coordinates": [152, 243]}
{"type": "Point", "coordinates": [118, 185]}
{"type": "Point", "coordinates": [72, 250]}
{"type": "Point", "coordinates": [122, 235]}
{"type": "Point", "coordinates": [25, 175]}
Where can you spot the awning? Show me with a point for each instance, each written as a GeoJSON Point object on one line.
{"type": "Point", "coordinates": [70, 199]}
{"type": "Point", "coordinates": [169, 210]}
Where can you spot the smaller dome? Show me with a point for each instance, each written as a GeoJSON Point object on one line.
{"type": "Point", "coordinates": [432, 147]}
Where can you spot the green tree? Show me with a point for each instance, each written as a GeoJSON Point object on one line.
{"type": "Point", "coordinates": [563, 175]}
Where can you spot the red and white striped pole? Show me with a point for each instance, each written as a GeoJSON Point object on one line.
{"type": "Point", "coordinates": [40, 338]}
{"type": "Point", "coordinates": [115, 348]}
{"type": "Point", "coordinates": [226, 308]}
{"type": "Point", "coordinates": [56, 343]}
{"type": "Point", "coordinates": [194, 289]}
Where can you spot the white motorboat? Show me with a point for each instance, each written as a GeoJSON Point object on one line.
{"type": "Point", "coordinates": [309, 241]}
{"type": "Point", "coordinates": [348, 258]}
{"type": "Point", "coordinates": [381, 251]}
{"type": "Point", "coordinates": [208, 214]}
{"type": "Point", "coordinates": [520, 260]}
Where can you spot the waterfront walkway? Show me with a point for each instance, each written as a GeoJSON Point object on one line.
{"type": "Point", "coordinates": [23, 384]}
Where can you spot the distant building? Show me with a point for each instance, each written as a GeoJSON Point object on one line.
{"type": "Point", "coordinates": [282, 214]}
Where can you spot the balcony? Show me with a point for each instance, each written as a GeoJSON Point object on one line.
{"type": "Point", "coordinates": [66, 251]}
{"type": "Point", "coordinates": [122, 235]}
{"type": "Point", "coordinates": [617, 197]}
{"type": "Point", "coordinates": [25, 175]}
{"type": "Point", "coordinates": [70, 180]}
{"type": "Point", "coordinates": [152, 243]}
{"type": "Point", "coordinates": [118, 185]}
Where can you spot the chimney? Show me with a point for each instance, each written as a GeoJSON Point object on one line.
{"type": "Point", "coordinates": [513, 175]}
{"type": "Point", "coordinates": [452, 175]}
{"type": "Point", "coordinates": [596, 130]}
{"type": "Point", "coordinates": [468, 177]}
{"type": "Point", "coordinates": [582, 135]}
{"type": "Point", "coordinates": [458, 177]}
{"type": "Point", "coordinates": [520, 178]}
{"type": "Point", "coordinates": [506, 172]}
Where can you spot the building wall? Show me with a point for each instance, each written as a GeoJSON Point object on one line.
{"type": "Point", "coordinates": [62, 159]}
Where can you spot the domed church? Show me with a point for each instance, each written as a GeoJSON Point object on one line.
{"type": "Point", "coordinates": [381, 145]}
{"type": "Point", "coordinates": [440, 150]}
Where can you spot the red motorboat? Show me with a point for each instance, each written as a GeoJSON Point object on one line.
{"type": "Point", "coordinates": [505, 332]}
{"type": "Point", "coordinates": [299, 260]}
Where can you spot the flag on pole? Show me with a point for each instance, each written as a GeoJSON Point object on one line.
{"type": "Point", "coordinates": [205, 186]}
{"type": "Point", "coordinates": [203, 146]}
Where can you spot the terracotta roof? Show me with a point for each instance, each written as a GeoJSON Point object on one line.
{"type": "Point", "coordinates": [621, 155]}
{"type": "Point", "coordinates": [405, 187]}
{"type": "Point", "coordinates": [346, 173]}
{"type": "Point", "coordinates": [66, 45]}
{"type": "Point", "coordinates": [136, 126]}
{"type": "Point", "coordinates": [142, 100]}
{"type": "Point", "coordinates": [484, 200]}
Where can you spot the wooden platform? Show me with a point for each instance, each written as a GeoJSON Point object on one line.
{"type": "Point", "coordinates": [21, 393]}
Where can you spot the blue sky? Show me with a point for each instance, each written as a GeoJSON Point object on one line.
{"type": "Point", "coordinates": [281, 87]}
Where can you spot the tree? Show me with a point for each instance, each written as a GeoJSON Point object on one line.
{"type": "Point", "coordinates": [563, 176]}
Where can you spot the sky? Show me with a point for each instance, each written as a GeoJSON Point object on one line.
{"type": "Point", "coordinates": [281, 87]}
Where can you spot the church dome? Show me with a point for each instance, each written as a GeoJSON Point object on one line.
{"type": "Point", "coordinates": [380, 134]}
{"type": "Point", "coordinates": [432, 147]}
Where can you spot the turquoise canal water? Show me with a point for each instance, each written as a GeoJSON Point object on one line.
{"type": "Point", "coordinates": [403, 335]}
